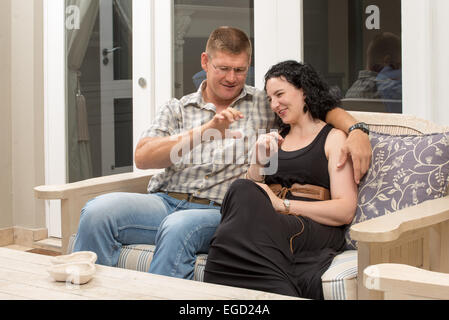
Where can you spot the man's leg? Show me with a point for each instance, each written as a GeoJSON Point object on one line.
{"type": "Point", "coordinates": [111, 220]}
{"type": "Point", "coordinates": [181, 236]}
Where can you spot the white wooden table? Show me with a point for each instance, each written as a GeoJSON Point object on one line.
{"type": "Point", "coordinates": [24, 276]}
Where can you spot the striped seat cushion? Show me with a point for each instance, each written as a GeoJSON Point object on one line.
{"type": "Point", "coordinates": [339, 281]}
{"type": "Point", "coordinates": [138, 257]}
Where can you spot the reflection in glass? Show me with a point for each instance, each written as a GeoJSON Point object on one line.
{"type": "Point", "coordinates": [356, 46]}
{"type": "Point", "coordinates": [194, 20]}
{"type": "Point", "coordinates": [382, 77]}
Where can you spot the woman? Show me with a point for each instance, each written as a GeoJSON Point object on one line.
{"type": "Point", "coordinates": [283, 241]}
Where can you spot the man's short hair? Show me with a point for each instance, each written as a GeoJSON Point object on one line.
{"type": "Point", "coordinates": [384, 49]}
{"type": "Point", "coordinates": [229, 39]}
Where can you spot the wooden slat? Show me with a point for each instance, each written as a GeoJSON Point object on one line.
{"type": "Point", "coordinates": [25, 275]}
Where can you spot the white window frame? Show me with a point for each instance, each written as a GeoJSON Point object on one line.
{"type": "Point", "coordinates": [416, 71]}
{"type": "Point", "coordinates": [424, 57]}
{"type": "Point", "coordinates": [278, 34]}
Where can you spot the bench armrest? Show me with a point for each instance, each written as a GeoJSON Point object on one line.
{"type": "Point", "coordinates": [391, 227]}
{"type": "Point", "coordinates": [74, 195]}
{"type": "Point", "coordinates": [116, 182]}
{"type": "Point", "coordinates": [399, 281]}
{"type": "Point", "coordinates": [417, 236]}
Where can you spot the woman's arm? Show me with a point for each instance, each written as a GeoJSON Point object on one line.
{"type": "Point", "coordinates": [265, 146]}
{"type": "Point", "coordinates": [357, 145]}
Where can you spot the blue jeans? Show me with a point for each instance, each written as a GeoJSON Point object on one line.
{"type": "Point", "coordinates": [178, 228]}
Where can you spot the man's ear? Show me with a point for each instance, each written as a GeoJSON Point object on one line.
{"type": "Point", "coordinates": [204, 60]}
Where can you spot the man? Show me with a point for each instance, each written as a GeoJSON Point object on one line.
{"type": "Point", "coordinates": [190, 138]}
{"type": "Point", "coordinates": [382, 78]}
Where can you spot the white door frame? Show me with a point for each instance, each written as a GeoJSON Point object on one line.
{"type": "Point", "coordinates": [54, 108]}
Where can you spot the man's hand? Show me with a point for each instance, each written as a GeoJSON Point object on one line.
{"type": "Point", "coordinates": [359, 147]}
{"type": "Point", "coordinates": [221, 122]}
{"type": "Point", "coordinates": [162, 152]}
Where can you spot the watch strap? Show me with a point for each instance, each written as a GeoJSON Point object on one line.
{"type": "Point", "coordinates": [359, 125]}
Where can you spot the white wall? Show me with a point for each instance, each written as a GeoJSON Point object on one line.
{"type": "Point", "coordinates": [6, 217]}
{"type": "Point", "coordinates": [27, 110]}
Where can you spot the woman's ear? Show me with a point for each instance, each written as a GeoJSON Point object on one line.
{"type": "Point", "coordinates": [306, 108]}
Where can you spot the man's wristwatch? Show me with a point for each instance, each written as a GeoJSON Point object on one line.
{"type": "Point", "coordinates": [287, 205]}
{"type": "Point", "coordinates": [360, 125]}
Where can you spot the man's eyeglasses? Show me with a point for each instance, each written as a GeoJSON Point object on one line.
{"type": "Point", "coordinates": [224, 70]}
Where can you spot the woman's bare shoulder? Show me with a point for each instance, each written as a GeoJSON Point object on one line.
{"type": "Point", "coordinates": [336, 136]}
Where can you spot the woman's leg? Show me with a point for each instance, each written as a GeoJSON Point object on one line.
{"type": "Point", "coordinates": [251, 245]}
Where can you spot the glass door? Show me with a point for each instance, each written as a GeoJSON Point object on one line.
{"type": "Point", "coordinates": [116, 86]}
{"type": "Point", "coordinates": [99, 89]}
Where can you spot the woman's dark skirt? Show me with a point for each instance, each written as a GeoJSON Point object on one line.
{"type": "Point", "coordinates": [257, 248]}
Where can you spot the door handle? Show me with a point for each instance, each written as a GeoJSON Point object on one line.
{"type": "Point", "coordinates": [107, 51]}
{"type": "Point", "coordinates": [143, 83]}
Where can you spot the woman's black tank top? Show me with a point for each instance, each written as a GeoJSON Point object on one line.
{"type": "Point", "coordinates": [308, 165]}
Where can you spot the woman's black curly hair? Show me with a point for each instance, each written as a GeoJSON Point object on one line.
{"type": "Point", "coordinates": [303, 76]}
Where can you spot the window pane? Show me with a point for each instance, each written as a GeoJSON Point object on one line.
{"type": "Point", "coordinates": [356, 46]}
{"type": "Point", "coordinates": [122, 20]}
{"type": "Point", "coordinates": [123, 133]}
{"type": "Point", "coordinates": [194, 20]}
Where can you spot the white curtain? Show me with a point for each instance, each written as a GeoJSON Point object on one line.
{"type": "Point", "coordinates": [80, 161]}
{"type": "Point", "coordinates": [124, 9]}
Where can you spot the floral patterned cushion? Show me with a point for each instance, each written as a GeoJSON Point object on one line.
{"type": "Point", "coordinates": [406, 170]}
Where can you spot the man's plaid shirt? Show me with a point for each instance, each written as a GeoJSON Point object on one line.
{"type": "Point", "coordinates": [209, 169]}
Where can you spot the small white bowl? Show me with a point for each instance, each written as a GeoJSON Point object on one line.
{"type": "Point", "coordinates": [80, 256]}
{"type": "Point", "coordinates": [76, 272]}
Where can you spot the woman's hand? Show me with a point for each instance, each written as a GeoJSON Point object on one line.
{"type": "Point", "coordinates": [266, 146]}
{"type": "Point", "coordinates": [277, 202]}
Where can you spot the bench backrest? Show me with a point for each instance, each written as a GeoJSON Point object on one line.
{"type": "Point", "coordinates": [397, 124]}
